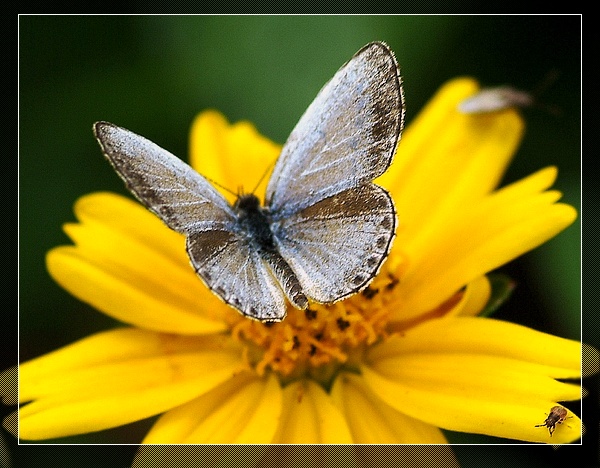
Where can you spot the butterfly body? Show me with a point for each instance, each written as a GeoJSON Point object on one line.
{"type": "Point", "coordinates": [254, 220]}
{"type": "Point", "coordinates": [325, 228]}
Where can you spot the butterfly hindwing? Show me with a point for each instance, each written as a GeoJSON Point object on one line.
{"type": "Point", "coordinates": [337, 245]}
{"type": "Point", "coordinates": [237, 273]}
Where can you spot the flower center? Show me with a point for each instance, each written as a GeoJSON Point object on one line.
{"type": "Point", "coordinates": [321, 339]}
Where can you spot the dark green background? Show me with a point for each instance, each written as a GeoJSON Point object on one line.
{"type": "Point", "coordinates": [152, 74]}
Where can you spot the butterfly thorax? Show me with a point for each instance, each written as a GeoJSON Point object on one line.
{"type": "Point", "coordinates": [253, 220]}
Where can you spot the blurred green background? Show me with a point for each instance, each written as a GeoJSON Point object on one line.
{"type": "Point", "coordinates": [152, 74]}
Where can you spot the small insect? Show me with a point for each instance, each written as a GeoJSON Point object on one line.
{"type": "Point", "coordinates": [503, 97]}
{"type": "Point", "coordinates": [557, 416]}
{"type": "Point", "coordinates": [494, 99]}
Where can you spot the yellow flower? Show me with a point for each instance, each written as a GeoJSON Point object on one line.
{"type": "Point", "coordinates": [393, 364]}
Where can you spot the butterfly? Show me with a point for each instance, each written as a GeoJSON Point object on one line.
{"type": "Point", "coordinates": [325, 228]}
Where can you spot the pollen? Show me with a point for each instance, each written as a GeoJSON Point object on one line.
{"type": "Point", "coordinates": [321, 339]}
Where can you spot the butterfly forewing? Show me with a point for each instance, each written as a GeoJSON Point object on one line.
{"type": "Point", "coordinates": [346, 137]}
{"type": "Point", "coordinates": [331, 223]}
{"type": "Point", "coordinates": [186, 202]}
{"type": "Point", "coordinates": [181, 197]}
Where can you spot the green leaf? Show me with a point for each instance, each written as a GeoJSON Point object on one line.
{"type": "Point", "coordinates": [502, 287]}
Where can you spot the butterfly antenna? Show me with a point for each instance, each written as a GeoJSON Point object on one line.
{"type": "Point", "coordinates": [542, 87]}
{"type": "Point", "coordinates": [214, 182]}
{"type": "Point", "coordinates": [269, 168]}
{"type": "Point", "coordinates": [546, 83]}
{"type": "Point", "coordinates": [240, 190]}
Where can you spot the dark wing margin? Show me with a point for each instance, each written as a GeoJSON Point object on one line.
{"type": "Point", "coordinates": [347, 137]}
{"type": "Point", "coordinates": [177, 194]}
{"type": "Point", "coordinates": [337, 246]}
{"type": "Point", "coordinates": [237, 274]}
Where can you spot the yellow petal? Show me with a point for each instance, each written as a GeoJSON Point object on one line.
{"type": "Point", "coordinates": [480, 238]}
{"type": "Point", "coordinates": [244, 410]}
{"type": "Point", "coordinates": [487, 337]}
{"type": "Point", "coordinates": [232, 155]}
{"type": "Point", "coordinates": [130, 219]}
{"type": "Point", "coordinates": [477, 375]}
{"type": "Point", "coordinates": [129, 265]}
{"type": "Point", "coordinates": [117, 377]}
{"type": "Point", "coordinates": [473, 413]}
{"type": "Point", "coordinates": [477, 295]}
{"type": "Point", "coordinates": [445, 159]}
{"type": "Point", "coordinates": [310, 417]}
{"type": "Point", "coordinates": [372, 421]}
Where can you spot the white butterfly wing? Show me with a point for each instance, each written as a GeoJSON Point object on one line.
{"type": "Point", "coordinates": [337, 246]}
{"type": "Point", "coordinates": [177, 194]}
{"type": "Point", "coordinates": [188, 203]}
{"type": "Point", "coordinates": [237, 273]}
{"type": "Point", "coordinates": [330, 222]}
{"type": "Point", "coordinates": [346, 137]}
